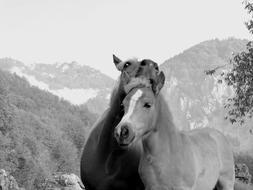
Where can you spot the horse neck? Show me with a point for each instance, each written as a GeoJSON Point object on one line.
{"type": "Point", "coordinates": [112, 118]}
{"type": "Point", "coordinates": [166, 135]}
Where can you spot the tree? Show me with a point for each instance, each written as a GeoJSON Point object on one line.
{"type": "Point", "coordinates": [240, 77]}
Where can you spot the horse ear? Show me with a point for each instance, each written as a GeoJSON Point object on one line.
{"type": "Point", "coordinates": [117, 62]}
{"type": "Point", "coordinates": [160, 82]}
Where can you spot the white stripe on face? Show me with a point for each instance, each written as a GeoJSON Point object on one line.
{"type": "Point", "coordinates": [132, 104]}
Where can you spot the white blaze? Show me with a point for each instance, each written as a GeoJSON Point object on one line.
{"type": "Point", "coordinates": [132, 104]}
{"type": "Point", "coordinates": [131, 107]}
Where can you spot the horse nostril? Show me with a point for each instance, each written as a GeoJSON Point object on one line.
{"type": "Point", "coordinates": [124, 132]}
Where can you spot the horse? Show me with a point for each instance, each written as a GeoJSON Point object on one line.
{"type": "Point", "coordinates": [105, 165]}
{"type": "Point", "coordinates": [200, 159]}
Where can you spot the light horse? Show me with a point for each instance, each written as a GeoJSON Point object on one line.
{"type": "Point", "coordinates": [104, 164]}
{"type": "Point", "coordinates": [200, 159]}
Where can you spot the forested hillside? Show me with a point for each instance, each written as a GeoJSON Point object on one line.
{"type": "Point", "coordinates": [72, 81]}
{"type": "Point", "coordinates": [39, 133]}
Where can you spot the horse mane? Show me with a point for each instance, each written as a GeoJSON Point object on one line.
{"type": "Point", "coordinates": [165, 115]}
{"type": "Point", "coordinates": [137, 82]}
{"type": "Point", "coordinates": [115, 90]}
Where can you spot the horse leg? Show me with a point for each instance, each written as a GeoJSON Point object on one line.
{"type": "Point", "coordinates": [226, 185]}
{"type": "Point", "coordinates": [225, 182]}
{"type": "Point", "coordinates": [217, 186]}
{"type": "Point", "coordinates": [227, 173]}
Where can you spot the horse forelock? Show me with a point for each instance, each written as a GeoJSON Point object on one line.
{"type": "Point", "coordinates": [137, 82]}
{"type": "Point", "coordinates": [118, 86]}
{"type": "Point", "coordinates": [165, 117]}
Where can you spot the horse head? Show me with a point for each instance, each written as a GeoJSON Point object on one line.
{"type": "Point", "coordinates": [141, 110]}
{"type": "Point", "coordinates": [132, 69]}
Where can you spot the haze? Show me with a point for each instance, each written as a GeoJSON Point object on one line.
{"type": "Point", "coordinates": [90, 31]}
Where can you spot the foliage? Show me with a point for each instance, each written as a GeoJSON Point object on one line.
{"type": "Point", "coordinates": [39, 133]}
{"type": "Point", "coordinates": [247, 160]}
{"type": "Point", "coordinates": [249, 8]}
{"type": "Point", "coordinates": [242, 173]}
{"type": "Point", "coordinates": [240, 77]}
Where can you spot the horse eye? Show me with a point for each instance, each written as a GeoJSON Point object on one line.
{"type": "Point", "coordinates": [147, 105]}
{"type": "Point", "coordinates": [127, 64]}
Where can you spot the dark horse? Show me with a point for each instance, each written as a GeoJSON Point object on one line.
{"type": "Point", "coordinates": [104, 164]}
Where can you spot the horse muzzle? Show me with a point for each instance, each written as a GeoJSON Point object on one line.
{"type": "Point", "coordinates": [124, 135]}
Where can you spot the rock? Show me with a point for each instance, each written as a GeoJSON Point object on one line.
{"type": "Point", "coordinates": [8, 182]}
{"type": "Point", "coordinates": [61, 181]}
{"type": "Point", "coordinates": [242, 173]}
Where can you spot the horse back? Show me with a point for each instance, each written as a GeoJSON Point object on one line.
{"type": "Point", "coordinates": [212, 149]}
{"type": "Point", "coordinates": [209, 137]}
{"type": "Point", "coordinates": [225, 152]}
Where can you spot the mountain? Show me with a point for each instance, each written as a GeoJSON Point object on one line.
{"type": "Point", "coordinates": [197, 99]}
{"type": "Point", "coordinates": [72, 81]}
{"type": "Point", "coordinates": [39, 133]}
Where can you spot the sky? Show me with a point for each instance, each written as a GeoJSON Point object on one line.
{"type": "Point", "coordinates": [90, 31]}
